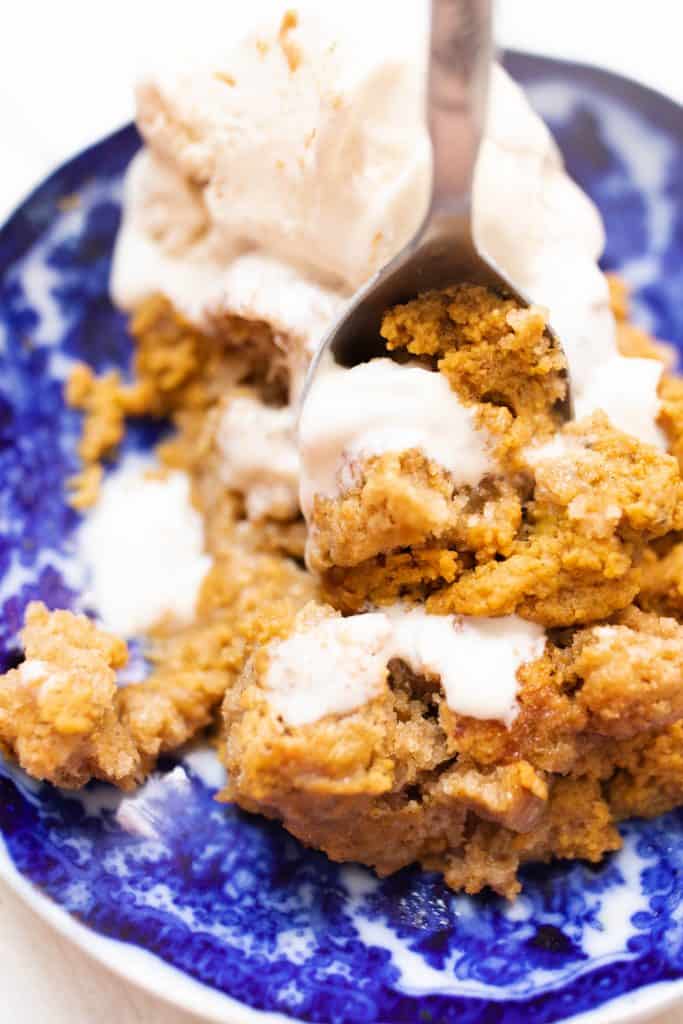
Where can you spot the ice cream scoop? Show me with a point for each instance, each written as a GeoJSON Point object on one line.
{"type": "Point", "coordinates": [444, 251]}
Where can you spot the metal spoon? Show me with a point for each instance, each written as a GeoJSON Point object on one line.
{"type": "Point", "coordinates": [444, 251]}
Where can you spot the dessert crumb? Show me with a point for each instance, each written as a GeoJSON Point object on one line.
{"type": "Point", "coordinates": [84, 487]}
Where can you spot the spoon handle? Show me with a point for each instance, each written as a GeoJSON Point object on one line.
{"type": "Point", "coordinates": [461, 51]}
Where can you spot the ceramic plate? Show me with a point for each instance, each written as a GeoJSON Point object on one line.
{"type": "Point", "coordinates": [224, 913]}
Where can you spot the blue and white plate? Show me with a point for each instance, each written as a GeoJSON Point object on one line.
{"type": "Point", "coordinates": [225, 913]}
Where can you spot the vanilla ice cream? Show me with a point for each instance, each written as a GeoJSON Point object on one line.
{"type": "Point", "coordinates": [299, 172]}
{"type": "Point", "coordinates": [278, 175]}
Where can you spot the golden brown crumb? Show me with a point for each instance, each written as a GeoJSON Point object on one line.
{"type": "Point", "coordinates": [578, 559]}
{"type": "Point", "coordinates": [84, 487]}
{"type": "Point", "coordinates": [225, 76]}
{"type": "Point", "coordinates": [489, 348]}
{"type": "Point", "coordinates": [649, 779]}
{"type": "Point", "coordinates": [58, 709]}
{"type": "Point", "coordinates": [620, 690]}
{"type": "Point", "coordinates": [632, 340]}
{"type": "Point", "coordinates": [402, 499]}
{"type": "Point", "coordinates": [399, 576]}
{"type": "Point", "coordinates": [661, 587]}
{"type": "Point", "coordinates": [106, 402]}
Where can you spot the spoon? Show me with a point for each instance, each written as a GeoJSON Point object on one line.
{"type": "Point", "coordinates": [443, 252]}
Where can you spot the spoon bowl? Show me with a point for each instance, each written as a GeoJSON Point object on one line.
{"type": "Point", "coordinates": [444, 251]}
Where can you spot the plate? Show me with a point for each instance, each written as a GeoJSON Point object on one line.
{"type": "Point", "coordinates": [224, 913]}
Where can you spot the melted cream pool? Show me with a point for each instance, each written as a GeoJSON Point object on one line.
{"type": "Point", "coordinates": [142, 545]}
{"type": "Point", "coordinates": [259, 457]}
{"type": "Point", "coordinates": [338, 665]}
{"type": "Point", "coordinates": [379, 407]}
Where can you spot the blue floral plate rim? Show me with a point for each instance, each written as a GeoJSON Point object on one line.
{"type": "Point", "coordinates": [178, 990]}
{"type": "Point", "coordinates": [150, 972]}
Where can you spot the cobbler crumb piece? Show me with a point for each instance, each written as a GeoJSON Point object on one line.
{"type": "Point", "coordinates": [84, 487]}
{"type": "Point", "coordinates": [58, 709]}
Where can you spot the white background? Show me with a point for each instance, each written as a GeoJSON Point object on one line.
{"type": "Point", "coordinates": [66, 75]}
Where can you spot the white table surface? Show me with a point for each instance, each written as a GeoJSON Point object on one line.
{"type": "Point", "coordinates": [66, 75]}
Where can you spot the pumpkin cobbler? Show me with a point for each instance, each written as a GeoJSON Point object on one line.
{"type": "Point", "coordinates": [421, 616]}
